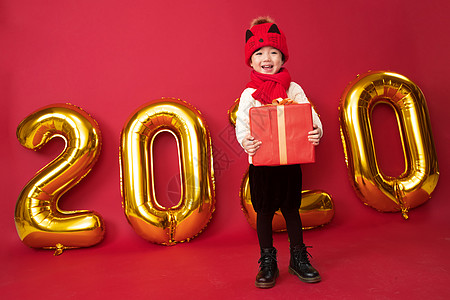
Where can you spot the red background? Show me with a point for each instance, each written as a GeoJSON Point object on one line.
{"type": "Point", "coordinates": [110, 57]}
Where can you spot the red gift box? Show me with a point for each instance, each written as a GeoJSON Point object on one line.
{"type": "Point", "coordinates": [283, 130]}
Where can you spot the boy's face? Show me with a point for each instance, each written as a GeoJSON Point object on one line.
{"type": "Point", "coordinates": [267, 60]}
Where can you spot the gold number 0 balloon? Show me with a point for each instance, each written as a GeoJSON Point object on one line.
{"type": "Point", "coordinates": [415, 185]}
{"type": "Point", "coordinates": [39, 221]}
{"type": "Point", "coordinates": [317, 207]}
{"type": "Point", "coordinates": [148, 218]}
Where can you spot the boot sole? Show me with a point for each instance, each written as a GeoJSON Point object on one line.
{"type": "Point", "coordinates": [267, 285]}
{"type": "Point", "coordinates": [305, 279]}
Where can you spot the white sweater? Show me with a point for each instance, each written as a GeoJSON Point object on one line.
{"type": "Point", "coordinates": [246, 101]}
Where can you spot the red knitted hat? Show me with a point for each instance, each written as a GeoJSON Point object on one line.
{"type": "Point", "coordinates": [266, 34]}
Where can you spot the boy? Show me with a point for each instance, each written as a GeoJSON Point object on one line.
{"type": "Point", "coordinates": [273, 187]}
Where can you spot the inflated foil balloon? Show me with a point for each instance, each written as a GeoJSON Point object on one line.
{"type": "Point", "coordinates": [150, 220]}
{"type": "Point", "coordinates": [317, 207]}
{"type": "Point", "coordinates": [232, 112]}
{"type": "Point", "coordinates": [415, 185]}
{"type": "Point", "coordinates": [39, 221]}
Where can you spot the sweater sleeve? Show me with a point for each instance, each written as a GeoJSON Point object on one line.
{"type": "Point", "coordinates": [246, 101]}
{"type": "Point", "coordinates": [296, 93]}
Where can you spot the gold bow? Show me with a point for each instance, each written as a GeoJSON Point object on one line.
{"type": "Point", "coordinates": [281, 101]}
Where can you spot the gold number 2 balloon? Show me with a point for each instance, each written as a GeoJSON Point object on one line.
{"type": "Point", "coordinates": [150, 220]}
{"type": "Point", "coordinates": [316, 209]}
{"type": "Point", "coordinates": [415, 185]}
{"type": "Point", "coordinates": [39, 221]}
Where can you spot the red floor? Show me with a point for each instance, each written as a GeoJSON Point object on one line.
{"type": "Point", "coordinates": [378, 256]}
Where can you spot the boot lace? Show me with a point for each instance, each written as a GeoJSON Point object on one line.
{"type": "Point", "coordinates": [267, 260]}
{"type": "Point", "coordinates": [301, 254]}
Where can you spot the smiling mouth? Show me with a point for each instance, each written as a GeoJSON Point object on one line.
{"type": "Point", "coordinates": [267, 68]}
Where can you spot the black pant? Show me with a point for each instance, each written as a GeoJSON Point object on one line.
{"type": "Point", "coordinates": [274, 188]}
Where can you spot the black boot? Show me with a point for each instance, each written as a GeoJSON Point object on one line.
{"type": "Point", "coordinates": [268, 268]}
{"type": "Point", "coordinates": [301, 266]}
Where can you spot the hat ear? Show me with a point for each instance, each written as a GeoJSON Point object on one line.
{"type": "Point", "coordinates": [274, 29]}
{"type": "Point", "coordinates": [248, 35]}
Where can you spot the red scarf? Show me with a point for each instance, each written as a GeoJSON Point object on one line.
{"type": "Point", "coordinates": [269, 86]}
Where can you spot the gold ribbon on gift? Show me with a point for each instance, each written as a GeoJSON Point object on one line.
{"type": "Point", "coordinates": [281, 126]}
{"type": "Point", "coordinates": [281, 134]}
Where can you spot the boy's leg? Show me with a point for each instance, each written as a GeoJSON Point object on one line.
{"type": "Point", "coordinates": [268, 267]}
{"type": "Point", "coordinates": [264, 229]}
{"type": "Point", "coordinates": [293, 226]}
{"type": "Point", "coordinates": [299, 264]}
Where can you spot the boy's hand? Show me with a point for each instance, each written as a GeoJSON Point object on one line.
{"type": "Point", "coordinates": [314, 136]}
{"type": "Point", "coordinates": [250, 145]}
